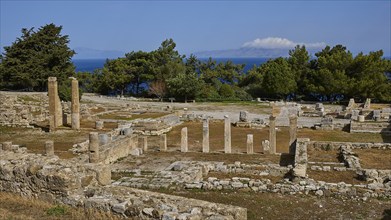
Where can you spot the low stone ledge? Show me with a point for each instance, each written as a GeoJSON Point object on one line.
{"type": "Point", "coordinates": [141, 204]}
{"type": "Point", "coordinates": [79, 184]}
{"type": "Point", "coordinates": [330, 145]}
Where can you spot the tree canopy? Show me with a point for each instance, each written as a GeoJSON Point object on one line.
{"type": "Point", "coordinates": [332, 74]}
{"type": "Point", "coordinates": [35, 56]}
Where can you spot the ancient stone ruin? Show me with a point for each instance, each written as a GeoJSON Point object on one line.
{"type": "Point", "coordinates": [55, 109]}
{"type": "Point", "coordinates": [117, 166]}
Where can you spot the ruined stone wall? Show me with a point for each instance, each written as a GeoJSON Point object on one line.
{"type": "Point", "coordinates": [79, 184]}
{"type": "Point", "coordinates": [21, 110]}
{"type": "Point", "coordinates": [330, 145]}
{"type": "Point", "coordinates": [35, 175]}
{"type": "Point", "coordinates": [370, 127]}
{"type": "Point", "coordinates": [118, 148]}
{"type": "Point", "coordinates": [190, 175]}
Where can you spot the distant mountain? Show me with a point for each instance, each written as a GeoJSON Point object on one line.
{"type": "Point", "coordinates": [249, 52]}
{"type": "Point", "coordinates": [89, 53]}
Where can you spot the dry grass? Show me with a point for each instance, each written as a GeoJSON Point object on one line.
{"type": "Point", "coordinates": [35, 142]}
{"type": "Point", "coordinates": [334, 176]}
{"type": "Point", "coordinates": [379, 106]}
{"type": "Point", "coordinates": [15, 207]}
{"type": "Point", "coordinates": [342, 136]}
{"type": "Point", "coordinates": [252, 107]}
{"type": "Point", "coordinates": [374, 158]}
{"type": "Point", "coordinates": [97, 110]}
{"type": "Point", "coordinates": [129, 116]}
{"type": "Point", "coordinates": [64, 137]}
{"type": "Point", "coordinates": [318, 155]}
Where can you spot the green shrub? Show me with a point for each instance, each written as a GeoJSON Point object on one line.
{"type": "Point", "coordinates": [56, 211]}
{"type": "Point", "coordinates": [226, 91]}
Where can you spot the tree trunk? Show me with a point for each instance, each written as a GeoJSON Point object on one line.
{"type": "Point", "coordinates": [137, 85]}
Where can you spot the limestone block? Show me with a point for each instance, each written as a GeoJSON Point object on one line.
{"type": "Point", "coordinates": [250, 144]}
{"type": "Point", "coordinates": [243, 116]}
{"type": "Point", "coordinates": [49, 148]}
{"type": "Point", "coordinates": [205, 136]}
{"type": "Point", "coordinates": [7, 146]}
{"type": "Point", "coordinates": [103, 139]}
{"type": "Point", "coordinates": [103, 175]}
{"type": "Point", "coordinates": [163, 142]}
{"type": "Point", "coordinates": [145, 143]}
{"type": "Point", "coordinates": [184, 141]}
{"type": "Point", "coordinates": [75, 105]}
{"type": "Point", "coordinates": [227, 134]}
{"type": "Point", "coordinates": [99, 125]}
{"type": "Point", "coordinates": [94, 147]}
{"type": "Point", "coordinates": [367, 104]}
{"type": "Point", "coordinates": [272, 134]}
{"type": "Point", "coordinates": [266, 146]}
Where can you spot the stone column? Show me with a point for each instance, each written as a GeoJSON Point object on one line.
{"type": "Point", "coordinates": [250, 144]}
{"type": "Point", "coordinates": [7, 146]}
{"type": "Point", "coordinates": [292, 134]}
{"type": "Point", "coordinates": [133, 142]}
{"type": "Point", "coordinates": [227, 135]}
{"type": "Point", "coordinates": [75, 108]}
{"type": "Point", "coordinates": [272, 134]}
{"type": "Point", "coordinates": [94, 147]}
{"type": "Point", "coordinates": [184, 147]}
{"type": "Point", "coordinates": [205, 136]}
{"type": "Point", "coordinates": [55, 110]}
{"type": "Point", "coordinates": [301, 158]}
{"type": "Point", "coordinates": [163, 142]}
{"type": "Point", "coordinates": [145, 143]}
{"type": "Point", "coordinates": [99, 125]}
{"type": "Point", "coordinates": [49, 148]}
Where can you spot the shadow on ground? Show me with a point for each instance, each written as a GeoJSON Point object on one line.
{"type": "Point", "coordinates": [287, 159]}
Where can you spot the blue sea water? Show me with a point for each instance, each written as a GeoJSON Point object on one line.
{"type": "Point", "coordinates": [89, 65]}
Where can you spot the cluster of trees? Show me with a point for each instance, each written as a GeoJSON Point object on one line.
{"type": "Point", "coordinates": [165, 73]}
{"type": "Point", "coordinates": [333, 74]}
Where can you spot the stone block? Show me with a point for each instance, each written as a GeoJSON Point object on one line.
{"type": "Point", "coordinates": [227, 134]}
{"type": "Point", "coordinates": [49, 148]}
{"type": "Point", "coordinates": [205, 136]}
{"type": "Point", "coordinates": [7, 146]}
{"type": "Point", "coordinates": [103, 175]}
{"type": "Point", "coordinates": [266, 146]}
{"type": "Point", "coordinates": [250, 144]}
{"type": "Point", "coordinates": [99, 125]}
{"type": "Point", "coordinates": [184, 141]}
{"type": "Point", "coordinates": [243, 116]}
{"type": "Point", "coordinates": [103, 139]}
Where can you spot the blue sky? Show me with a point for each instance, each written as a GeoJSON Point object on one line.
{"type": "Point", "coordinates": [205, 25]}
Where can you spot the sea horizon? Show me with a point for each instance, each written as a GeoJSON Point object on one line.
{"type": "Point", "coordinates": [89, 65]}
